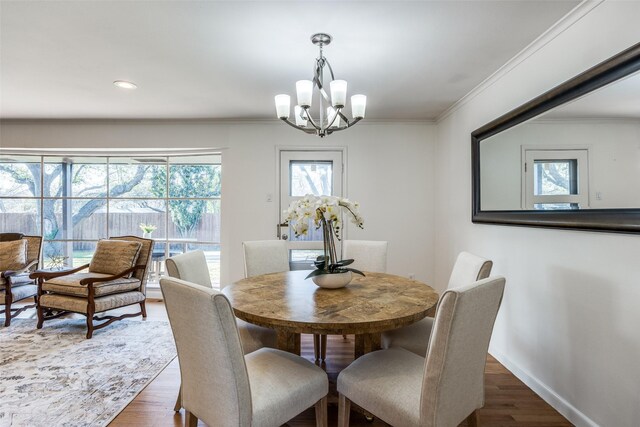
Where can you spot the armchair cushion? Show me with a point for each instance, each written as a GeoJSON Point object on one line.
{"type": "Point", "coordinates": [70, 285]}
{"type": "Point", "coordinates": [79, 304]}
{"type": "Point", "coordinates": [17, 280]}
{"type": "Point", "coordinates": [13, 255]}
{"type": "Point", "coordinates": [114, 256]}
{"type": "Point", "coordinates": [21, 292]}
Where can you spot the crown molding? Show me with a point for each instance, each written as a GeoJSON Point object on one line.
{"type": "Point", "coordinates": [572, 17]}
{"type": "Point", "coordinates": [228, 122]}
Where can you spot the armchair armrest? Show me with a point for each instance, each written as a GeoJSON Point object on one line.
{"type": "Point", "coordinates": [92, 280]}
{"type": "Point", "coordinates": [46, 275]}
{"type": "Point", "coordinates": [24, 269]}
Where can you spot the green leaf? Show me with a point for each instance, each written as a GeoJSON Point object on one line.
{"type": "Point", "coordinates": [315, 273]}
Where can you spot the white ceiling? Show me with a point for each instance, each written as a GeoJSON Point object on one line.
{"type": "Point", "coordinates": [226, 60]}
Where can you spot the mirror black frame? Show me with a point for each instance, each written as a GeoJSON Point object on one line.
{"type": "Point", "coordinates": [612, 220]}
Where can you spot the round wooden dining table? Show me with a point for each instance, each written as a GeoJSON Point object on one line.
{"type": "Point", "coordinates": [293, 305]}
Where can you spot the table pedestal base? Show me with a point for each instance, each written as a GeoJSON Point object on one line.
{"type": "Point", "coordinates": [288, 341]}
{"type": "Point", "coordinates": [366, 343]}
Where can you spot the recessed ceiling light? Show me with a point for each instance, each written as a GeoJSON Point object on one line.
{"type": "Point", "coordinates": [124, 84]}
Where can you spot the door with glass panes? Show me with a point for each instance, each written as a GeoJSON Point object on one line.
{"type": "Point", "coordinates": [307, 172]}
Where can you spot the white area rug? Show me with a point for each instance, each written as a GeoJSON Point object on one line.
{"type": "Point", "coordinates": [55, 377]}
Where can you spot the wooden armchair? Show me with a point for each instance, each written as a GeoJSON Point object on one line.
{"type": "Point", "coordinates": [19, 257]}
{"type": "Point", "coordinates": [116, 277]}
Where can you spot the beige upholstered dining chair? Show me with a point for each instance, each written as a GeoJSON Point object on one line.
{"type": "Point", "coordinates": [404, 389]}
{"type": "Point", "coordinates": [272, 256]}
{"type": "Point", "coordinates": [368, 255]}
{"type": "Point", "coordinates": [192, 267]}
{"type": "Point", "coordinates": [265, 256]}
{"type": "Point", "coordinates": [468, 268]}
{"type": "Point", "coordinates": [19, 257]}
{"type": "Point", "coordinates": [116, 277]}
{"type": "Point", "coordinates": [220, 385]}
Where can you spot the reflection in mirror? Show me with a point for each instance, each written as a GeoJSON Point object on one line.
{"type": "Point", "coordinates": [581, 155]}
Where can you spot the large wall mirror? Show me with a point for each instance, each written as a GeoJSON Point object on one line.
{"type": "Point", "coordinates": [569, 158]}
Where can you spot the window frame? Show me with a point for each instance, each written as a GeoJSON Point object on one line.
{"type": "Point", "coordinates": [167, 158]}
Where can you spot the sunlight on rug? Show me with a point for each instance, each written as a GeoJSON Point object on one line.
{"type": "Point", "coordinates": [56, 377]}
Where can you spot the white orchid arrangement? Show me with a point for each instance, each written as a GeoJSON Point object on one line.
{"type": "Point", "coordinates": [319, 208]}
{"type": "Point", "coordinates": [325, 212]}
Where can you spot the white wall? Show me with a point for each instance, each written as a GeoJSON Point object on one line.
{"type": "Point", "coordinates": [389, 171]}
{"type": "Point", "coordinates": [570, 321]}
{"type": "Point", "coordinates": [614, 158]}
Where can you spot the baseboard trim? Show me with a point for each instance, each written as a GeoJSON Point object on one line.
{"type": "Point", "coordinates": [570, 412]}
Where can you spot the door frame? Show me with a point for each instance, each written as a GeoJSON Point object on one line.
{"type": "Point", "coordinates": [281, 148]}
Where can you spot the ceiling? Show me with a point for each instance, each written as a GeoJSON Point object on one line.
{"type": "Point", "coordinates": [226, 60]}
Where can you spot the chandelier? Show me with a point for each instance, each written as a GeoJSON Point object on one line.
{"type": "Point", "coordinates": [331, 118]}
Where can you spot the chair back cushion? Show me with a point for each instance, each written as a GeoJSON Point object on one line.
{"type": "Point", "coordinates": [368, 255]}
{"type": "Point", "coordinates": [143, 258]}
{"type": "Point", "coordinates": [34, 248]}
{"type": "Point", "coordinates": [215, 383]}
{"type": "Point", "coordinates": [13, 254]}
{"type": "Point", "coordinates": [114, 256]}
{"type": "Point", "coordinates": [264, 257]}
{"type": "Point", "coordinates": [468, 269]}
{"type": "Point", "coordinates": [190, 266]}
{"type": "Point", "coordinates": [453, 382]}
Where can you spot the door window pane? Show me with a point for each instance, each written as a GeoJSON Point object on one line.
{"type": "Point", "coordinates": [555, 177]}
{"type": "Point", "coordinates": [555, 206]}
{"type": "Point", "coordinates": [311, 177]}
{"type": "Point", "coordinates": [313, 234]}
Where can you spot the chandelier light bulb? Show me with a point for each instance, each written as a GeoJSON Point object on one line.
{"type": "Point", "coordinates": [283, 106]}
{"type": "Point", "coordinates": [304, 89]}
{"type": "Point", "coordinates": [301, 118]}
{"type": "Point", "coordinates": [358, 106]}
{"type": "Point", "coordinates": [338, 93]}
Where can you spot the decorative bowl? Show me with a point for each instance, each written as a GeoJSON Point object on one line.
{"type": "Point", "coordinates": [332, 281]}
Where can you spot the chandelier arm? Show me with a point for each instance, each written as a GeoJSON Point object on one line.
{"type": "Point", "coordinates": [326, 61]}
{"type": "Point", "coordinates": [304, 129]}
{"type": "Point", "coordinates": [317, 78]}
{"type": "Point", "coordinates": [306, 110]}
{"type": "Point", "coordinates": [345, 127]}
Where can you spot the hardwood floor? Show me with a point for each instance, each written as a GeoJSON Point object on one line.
{"type": "Point", "coordinates": [508, 402]}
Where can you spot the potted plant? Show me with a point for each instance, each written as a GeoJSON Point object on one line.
{"type": "Point", "coordinates": [326, 212]}
{"type": "Point", "coordinates": [147, 229]}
